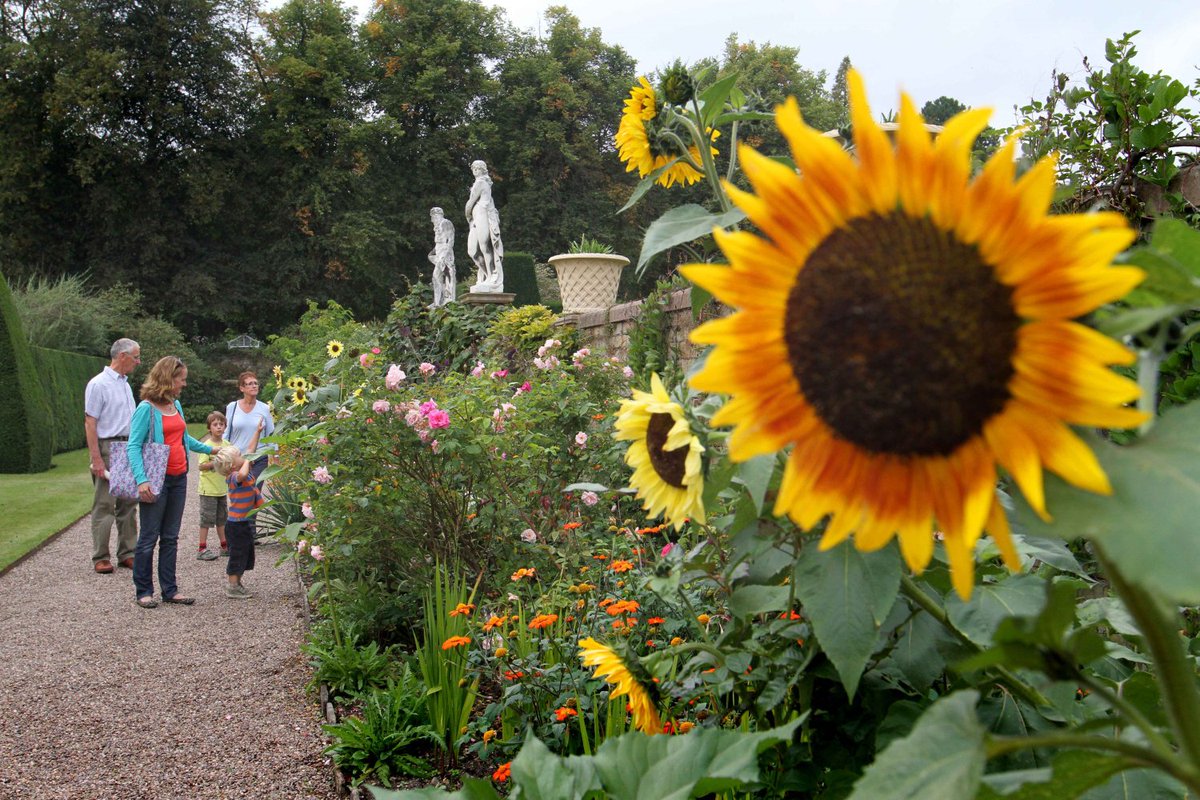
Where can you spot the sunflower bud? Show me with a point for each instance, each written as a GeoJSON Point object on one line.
{"type": "Point", "coordinates": [678, 87]}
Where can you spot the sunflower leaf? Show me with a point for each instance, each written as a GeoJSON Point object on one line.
{"type": "Point", "coordinates": [681, 225]}
{"type": "Point", "coordinates": [848, 595]}
{"type": "Point", "coordinates": [942, 757]}
{"type": "Point", "coordinates": [1148, 524]}
{"type": "Point", "coordinates": [1073, 772]}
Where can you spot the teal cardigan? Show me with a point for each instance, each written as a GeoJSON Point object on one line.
{"type": "Point", "coordinates": [140, 432]}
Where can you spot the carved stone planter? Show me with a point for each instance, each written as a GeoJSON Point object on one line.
{"type": "Point", "coordinates": [588, 281]}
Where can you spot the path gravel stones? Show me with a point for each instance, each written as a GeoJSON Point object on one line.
{"type": "Point", "coordinates": [101, 699]}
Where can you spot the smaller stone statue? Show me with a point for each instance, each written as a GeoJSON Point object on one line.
{"type": "Point", "coordinates": [483, 240]}
{"type": "Point", "coordinates": [442, 258]}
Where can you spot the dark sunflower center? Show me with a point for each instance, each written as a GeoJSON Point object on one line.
{"type": "Point", "coordinates": [901, 336]}
{"type": "Point", "coordinates": [671, 465]}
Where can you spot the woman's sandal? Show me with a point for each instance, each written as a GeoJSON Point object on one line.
{"type": "Point", "coordinates": [147, 602]}
{"type": "Point", "coordinates": [179, 600]}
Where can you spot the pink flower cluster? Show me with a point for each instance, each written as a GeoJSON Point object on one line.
{"type": "Point", "coordinates": [499, 415]}
{"type": "Point", "coordinates": [423, 418]}
{"type": "Point", "coordinates": [381, 406]}
{"type": "Point", "coordinates": [394, 376]}
{"type": "Point", "coordinates": [545, 359]}
{"type": "Point", "coordinates": [321, 475]}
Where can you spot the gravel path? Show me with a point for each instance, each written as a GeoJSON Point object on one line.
{"type": "Point", "coordinates": [101, 699]}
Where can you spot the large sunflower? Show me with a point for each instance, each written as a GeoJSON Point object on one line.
{"type": "Point", "coordinates": [905, 329]}
{"type": "Point", "coordinates": [642, 148]}
{"type": "Point", "coordinates": [611, 668]}
{"type": "Point", "coordinates": [664, 454]}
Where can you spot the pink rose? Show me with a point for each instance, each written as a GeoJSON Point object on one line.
{"type": "Point", "coordinates": [475, 373]}
{"type": "Point", "coordinates": [667, 548]}
{"type": "Point", "coordinates": [321, 475]}
{"type": "Point", "coordinates": [528, 535]}
{"type": "Point", "coordinates": [589, 498]}
{"type": "Point", "coordinates": [306, 510]}
{"type": "Point", "coordinates": [428, 407]}
{"type": "Point", "coordinates": [427, 369]}
{"type": "Point", "coordinates": [628, 372]}
{"type": "Point", "coordinates": [500, 373]}
{"type": "Point", "coordinates": [413, 417]}
{"type": "Point", "coordinates": [301, 545]}
{"type": "Point", "coordinates": [316, 552]}
{"type": "Point", "coordinates": [581, 439]}
{"type": "Point", "coordinates": [376, 350]}
{"type": "Point", "coordinates": [434, 446]}
{"type": "Point", "coordinates": [439, 419]}
{"type": "Point", "coordinates": [381, 406]}
{"type": "Point", "coordinates": [394, 376]}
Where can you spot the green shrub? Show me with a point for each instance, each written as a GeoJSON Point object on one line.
{"type": "Point", "coordinates": [520, 279]}
{"type": "Point", "coordinates": [516, 334]}
{"type": "Point", "coordinates": [64, 314]}
{"type": "Point", "coordinates": [348, 670]}
{"type": "Point", "coordinates": [449, 337]}
{"type": "Point", "coordinates": [379, 744]}
{"type": "Point", "coordinates": [302, 347]}
{"type": "Point", "coordinates": [27, 430]}
{"type": "Point", "coordinates": [64, 379]}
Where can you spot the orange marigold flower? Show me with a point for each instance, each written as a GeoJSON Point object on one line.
{"type": "Point", "coordinates": [618, 624]}
{"type": "Point", "coordinates": [494, 622]}
{"type": "Point", "coordinates": [703, 619]}
{"type": "Point", "coordinates": [597, 417]}
{"type": "Point", "coordinates": [676, 641]}
{"type": "Point", "coordinates": [600, 557]}
{"type": "Point", "coordinates": [684, 727]}
{"type": "Point", "coordinates": [463, 609]}
{"type": "Point", "coordinates": [501, 652]}
{"type": "Point", "coordinates": [488, 736]}
{"type": "Point", "coordinates": [655, 621]}
{"type": "Point", "coordinates": [623, 607]}
{"type": "Point", "coordinates": [564, 713]}
{"type": "Point", "coordinates": [586, 587]}
{"type": "Point", "coordinates": [523, 573]}
{"type": "Point", "coordinates": [455, 641]}
{"type": "Point", "coordinates": [570, 526]}
{"type": "Point", "coordinates": [543, 621]}
{"type": "Point", "coordinates": [502, 772]}
{"type": "Point", "coordinates": [584, 569]}
{"type": "Point", "coordinates": [606, 602]}
{"type": "Point", "coordinates": [621, 566]}
{"type": "Point", "coordinates": [471, 516]}
{"type": "Point", "coordinates": [513, 676]}
{"type": "Point", "coordinates": [650, 643]}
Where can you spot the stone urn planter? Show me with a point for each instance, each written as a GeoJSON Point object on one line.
{"type": "Point", "coordinates": [588, 281]}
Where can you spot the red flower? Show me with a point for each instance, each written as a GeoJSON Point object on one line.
{"type": "Point", "coordinates": [502, 772]}
{"type": "Point", "coordinates": [570, 526]}
{"type": "Point", "coordinates": [655, 621]}
{"type": "Point", "coordinates": [564, 713]}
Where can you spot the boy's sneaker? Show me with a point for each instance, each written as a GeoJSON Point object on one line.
{"type": "Point", "coordinates": [236, 592]}
{"type": "Point", "coordinates": [225, 552]}
{"type": "Point", "coordinates": [206, 555]}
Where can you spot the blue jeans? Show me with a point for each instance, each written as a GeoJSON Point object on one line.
{"type": "Point", "coordinates": [160, 523]}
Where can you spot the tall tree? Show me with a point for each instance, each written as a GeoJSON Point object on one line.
{"type": "Point", "coordinates": [840, 94]}
{"type": "Point", "coordinates": [551, 122]}
{"type": "Point", "coordinates": [938, 112]}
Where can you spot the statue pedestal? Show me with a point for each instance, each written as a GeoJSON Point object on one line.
{"type": "Point", "coordinates": [488, 298]}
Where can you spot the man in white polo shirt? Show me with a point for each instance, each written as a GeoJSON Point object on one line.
{"type": "Point", "coordinates": [107, 409]}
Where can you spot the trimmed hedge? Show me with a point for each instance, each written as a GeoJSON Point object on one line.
{"type": "Point", "coordinates": [64, 378]}
{"type": "Point", "coordinates": [520, 279]}
{"type": "Point", "coordinates": [26, 427]}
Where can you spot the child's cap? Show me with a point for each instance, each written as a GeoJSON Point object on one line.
{"type": "Point", "coordinates": [225, 458]}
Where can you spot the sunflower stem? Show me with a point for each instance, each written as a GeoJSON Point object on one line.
{"type": "Point", "coordinates": [1149, 359]}
{"type": "Point", "coordinates": [919, 596]}
{"type": "Point", "coordinates": [1132, 715]}
{"type": "Point", "coordinates": [1140, 756]}
{"type": "Point", "coordinates": [1176, 675]}
{"type": "Point", "coordinates": [704, 148]}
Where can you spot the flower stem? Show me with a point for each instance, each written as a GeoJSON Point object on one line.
{"type": "Point", "coordinates": [1148, 362]}
{"type": "Point", "coordinates": [1176, 675]}
{"type": "Point", "coordinates": [1140, 756]}
{"type": "Point", "coordinates": [1129, 712]}
{"type": "Point", "coordinates": [919, 596]}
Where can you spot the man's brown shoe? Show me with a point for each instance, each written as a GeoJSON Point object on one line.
{"type": "Point", "coordinates": [104, 567]}
{"type": "Point", "coordinates": [127, 563]}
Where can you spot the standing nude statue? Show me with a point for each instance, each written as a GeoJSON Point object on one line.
{"type": "Point", "coordinates": [442, 258]}
{"type": "Point", "coordinates": [483, 241]}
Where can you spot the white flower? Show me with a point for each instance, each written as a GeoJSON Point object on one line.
{"type": "Point", "coordinates": [528, 535]}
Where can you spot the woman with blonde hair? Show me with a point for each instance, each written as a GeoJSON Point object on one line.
{"type": "Point", "coordinates": [159, 418]}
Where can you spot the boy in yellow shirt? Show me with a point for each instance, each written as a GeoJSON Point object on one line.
{"type": "Point", "coordinates": [213, 490]}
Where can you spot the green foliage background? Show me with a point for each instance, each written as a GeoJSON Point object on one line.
{"type": "Point", "coordinates": [64, 377]}
{"type": "Point", "coordinates": [26, 428]}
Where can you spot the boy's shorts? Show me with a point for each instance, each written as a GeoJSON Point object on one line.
{"type": "Point", "coordinates": [213, 511]}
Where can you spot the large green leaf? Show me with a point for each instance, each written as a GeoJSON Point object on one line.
{"type": "Point", "coordinates": [990, 604]}
{"type": "Point", "coordinates": [1148, 526]}
{"type": "Point", "coordinates": [544, 776]}
{"type": "Point", "coordinates": [681, 225]}
{"type": "Point", "coordinates": [1072, 773]}
{"type": "Point", "coordinates": [473, 789]}
{"type": "Point", "coordinates": [1138, 784]}
{"type": "Point", "coordinates": [848, 595]}
{"type": "Point", "coordinates": [942, 757]}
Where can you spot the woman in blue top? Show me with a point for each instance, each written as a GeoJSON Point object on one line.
{"type": "Point", "coordinates": [159, 418]}
{"type": "Point", "coordinates": [244, 416]}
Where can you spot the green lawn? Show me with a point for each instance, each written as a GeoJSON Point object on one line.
{"type": "Point", "coordinates": [38, 506]}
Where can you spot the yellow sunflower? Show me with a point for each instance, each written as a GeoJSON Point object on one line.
{"type": "Point", "coordinates": [334, 348]}
{"type": "Point", "coordinates": [299, 397]}
{"type": "Point", "coordinates": [611, 668]}
{"type": "Point", "coordinates": [664, 454]}
{"type": "Point", "coordinates": [641, 152]}
{"type": "Point", "coordinates": [906, 329]}
{"type": "Point", "coordinates": [277, 371]}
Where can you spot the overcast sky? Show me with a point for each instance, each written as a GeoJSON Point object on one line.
{"type": "Point", "coordinates": [996, 53]}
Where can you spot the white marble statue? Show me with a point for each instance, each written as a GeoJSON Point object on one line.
{"type": "Point", "coordinates": [442, 258]}
{"type": "Point", "coordinates": [483, 241]}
